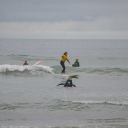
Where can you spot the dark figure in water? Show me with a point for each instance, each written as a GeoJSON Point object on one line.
{"type": "Point", "coordinates": [68, 83]}
{"type": "Point", "coordinates": [76, 64]}
{"type": "Point", "coordinates": [25, 63]}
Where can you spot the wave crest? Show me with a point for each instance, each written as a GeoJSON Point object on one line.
{"type": "Point", "coordinates": [94, 70]}
{"type": "Point", "coordinates": [19, 68]}
{"type": "Point", "coordinates": [103, 102]}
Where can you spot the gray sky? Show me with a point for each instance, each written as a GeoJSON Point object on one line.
{"type": "Point", "coordinates": [64, 19]}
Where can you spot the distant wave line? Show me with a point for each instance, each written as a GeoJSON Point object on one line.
{"type": "Point", "coordinates": [103, 102]}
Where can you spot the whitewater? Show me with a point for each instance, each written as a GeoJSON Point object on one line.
{"type": "Point", "coordinates": [30, 98]}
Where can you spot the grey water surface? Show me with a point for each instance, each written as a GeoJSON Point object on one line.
{"type": "Point", "coordinates": [29, 96]}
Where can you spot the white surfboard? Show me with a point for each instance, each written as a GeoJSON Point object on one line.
{"type": "Point", "coordinates": [37, 62]}
{"type": "Point", "coordinates": [73, 75]}
{"type": "Point", "coordinates": [64, 75]}
{"type": "Point", "coordinates": [67, 75]}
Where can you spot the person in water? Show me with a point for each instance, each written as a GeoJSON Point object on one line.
{"type": "Point", "coordinates": [25, 63]}
{"type": "Point", "coordinates": [64, 58]}
{"type": "Point", "coordinates": [68, 83]}
{"type": "Point", "coordinates": [76, 64]}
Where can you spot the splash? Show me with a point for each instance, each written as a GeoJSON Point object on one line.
{"type": "Point", "coordinates": [19, 68]}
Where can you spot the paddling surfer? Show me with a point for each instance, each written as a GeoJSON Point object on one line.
{"type": "Point", "coordinates": [68, 83]}
{"type": "Point", "coordinates": [76, 64]}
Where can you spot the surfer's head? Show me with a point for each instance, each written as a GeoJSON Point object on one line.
{"type": "Point", "coordinates": [69, 78]}
{"type": "Point", "coordinates": [65, 53]}
{"type": "Point", "coordinates": [76, 59]}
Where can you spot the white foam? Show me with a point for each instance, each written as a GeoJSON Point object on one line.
{"type": "Point", "coordinates": [102, 102]}
{"type": "Point", "coordinates": [20, 68]}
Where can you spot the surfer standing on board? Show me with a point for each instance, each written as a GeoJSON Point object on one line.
{"type": "Point", "coordinates": [64, 58]}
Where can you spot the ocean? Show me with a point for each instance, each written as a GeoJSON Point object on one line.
{"type": "Point", "coordinates": [29, 97]}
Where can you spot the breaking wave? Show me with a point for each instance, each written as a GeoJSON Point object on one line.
{"type": "Point", "coordinates": [100, 71]}
{"type": "Point", "coordinates": [59, 105]}
{"type": "Point", "coordinates": [9, 69]}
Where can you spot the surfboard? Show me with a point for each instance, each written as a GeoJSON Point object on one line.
{"type": "Point", "coordinates": [37, 62]}
{"type": "Point", "coordinates": [62, 75]}
{"type": "Point", "coordinates": [74, 76]}
{"type": "Point", "coordinates": [67, 75]}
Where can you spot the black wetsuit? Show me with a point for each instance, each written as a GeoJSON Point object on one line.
{"type": "Point", "coordinates": [63, 65]}
{"type": "Point", "coordinates": [68, 83]}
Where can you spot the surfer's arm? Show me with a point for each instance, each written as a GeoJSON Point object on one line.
{"type": "Point", "coordinates": [59, 84]}
{"type": "Point", "coordinates": [68, 61]}
{"type": "Point", "coordinates": [78, 64]}
{"type": "Point", "coordinates": [73, 85]}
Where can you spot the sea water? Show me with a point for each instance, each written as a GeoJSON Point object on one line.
{"type": "Point", "coordinates": [29, 97]}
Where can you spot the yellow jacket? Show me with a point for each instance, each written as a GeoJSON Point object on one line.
{"type": "Point", "coordinates": [64, 58]}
